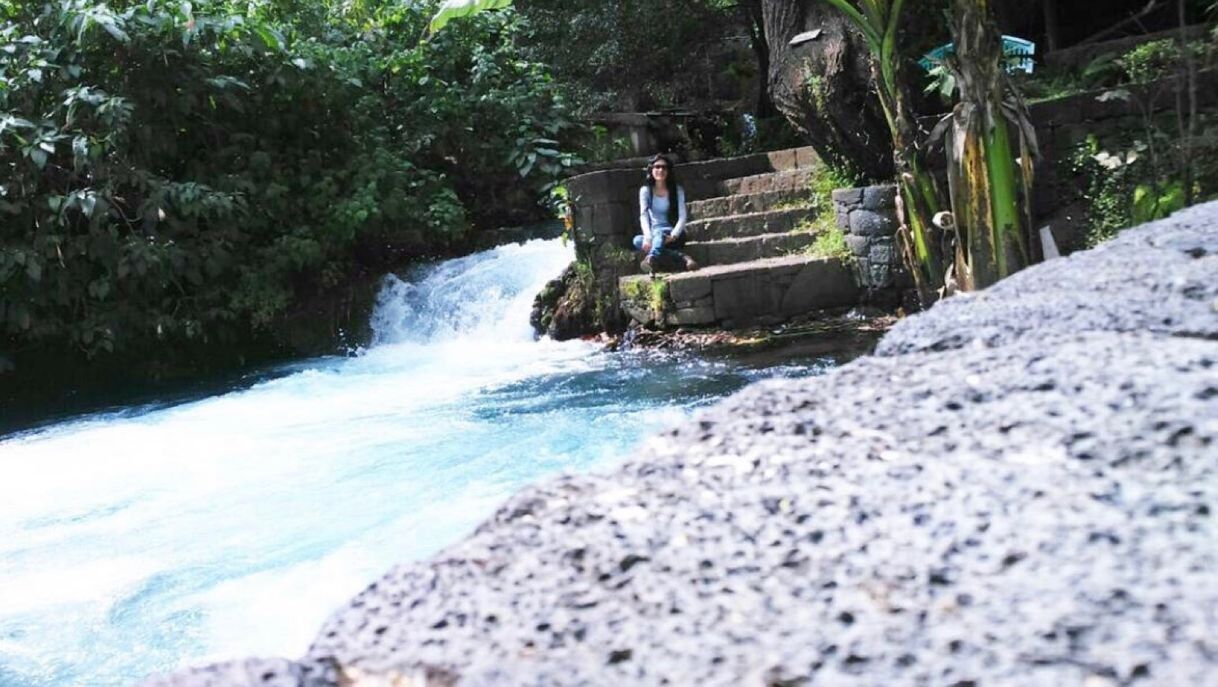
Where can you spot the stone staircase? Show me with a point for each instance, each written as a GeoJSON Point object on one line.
{"type": "Point", "coordinates": [751, 235]}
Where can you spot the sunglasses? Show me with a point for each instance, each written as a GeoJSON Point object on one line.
{"type": "Point", "coordinates": [659, 166]}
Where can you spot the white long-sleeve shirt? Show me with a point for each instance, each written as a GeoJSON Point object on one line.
{"type": "Point", "coordinates": [653, 210]}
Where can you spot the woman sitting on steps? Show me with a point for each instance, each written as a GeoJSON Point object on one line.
{"type": "Point", "coordinates": [661, 219]}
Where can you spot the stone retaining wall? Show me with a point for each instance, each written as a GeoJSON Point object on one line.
{"type": "Point", "coordinates": [549, 229]}
{"type": "Point", "coordinates": [769, 293]}
{"type": "Point", "coordinates": [1063, 125]}
{"type": "Point", "coordinates": [868, 216]}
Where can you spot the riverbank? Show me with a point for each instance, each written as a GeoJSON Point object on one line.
{"type": "Point", "coordinates": [1016, 489]}
{"type": "Point", "coordinates": [848, 333]}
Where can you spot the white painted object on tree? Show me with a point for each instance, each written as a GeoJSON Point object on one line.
{"type": "Point", "coordinates": [804, 37]}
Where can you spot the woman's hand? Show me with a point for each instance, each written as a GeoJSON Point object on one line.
{"type": "Point", "coordinates": [646, 247]}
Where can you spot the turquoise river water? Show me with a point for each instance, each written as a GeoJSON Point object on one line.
{"type": "Point", "coordinates": [143, 539]}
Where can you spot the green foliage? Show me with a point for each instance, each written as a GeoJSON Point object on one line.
{"type": "Point", "coordinates": [823, 183]}
{"type": "Point", "coordinates": [1049, 83]}
{"type": "Point", "coordinates": [830, 243]}
{"type": "Point", "coordinates": [454, 9]}
{"type": "Point", "coordinates": [659, 296]}
{"type": "Point", "coordinates": [1153, 60]}
{"type": "Point", "coordinates": [1151, 203]}
{"type": "Point", "coordinates": [598, 145]}
{"type": "Point", "coordinates": [585, 275]}
{"type": "Point", "coordinates": [190, 172]}
{"type": "Point", "coordinates": [1128, 183]}
{"type": "Point", "coordinates": [653, 292]}
{"type": "Point", "coordinates": [1142, 64]}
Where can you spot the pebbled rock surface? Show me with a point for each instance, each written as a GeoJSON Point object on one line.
{"type": "Point", "coordinates": [1018, 491]}
{"type": "Point", "coordinates": [1162, 277]}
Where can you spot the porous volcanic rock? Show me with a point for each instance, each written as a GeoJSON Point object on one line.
{"type": "Point", "coordinates": [1162, 277]}
{"type": "Point", "coordinates": [1019, 491]}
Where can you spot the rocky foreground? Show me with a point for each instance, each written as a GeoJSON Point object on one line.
{"type": "Point", "coordinates": [1017, 489]}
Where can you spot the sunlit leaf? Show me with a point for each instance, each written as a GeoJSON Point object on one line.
{"type": "Point", "coordinates": [270, 38]}
{"type": "Point", "coordinates": [453, 9]}
{"type": "Point", "coordinates": [113, 29]}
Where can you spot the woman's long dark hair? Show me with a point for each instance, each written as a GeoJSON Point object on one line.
{"type": "Point", "coordinates": [674, 186]}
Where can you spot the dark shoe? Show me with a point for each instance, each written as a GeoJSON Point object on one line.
{"type": "Point", "coordinates": [691, 264]}
{"type": "Point", "coordinates": [646, 265]}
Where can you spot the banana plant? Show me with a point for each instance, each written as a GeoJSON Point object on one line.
{"type": "Point", "coordinates": [920, 239]}
{"type": "Point", "coordinates": [452, 9]}
{"type": "Point", "coordinates": [986, 182]}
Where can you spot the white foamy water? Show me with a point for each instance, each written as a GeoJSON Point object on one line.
{"type": "Point", "coordinates": [232, 525]}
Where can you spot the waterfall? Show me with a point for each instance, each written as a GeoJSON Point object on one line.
{"type": "Point", "coordinates": [486, 296]}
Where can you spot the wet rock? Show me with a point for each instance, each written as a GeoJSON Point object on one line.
{"type": "Point", "coordinates": [565, 308]}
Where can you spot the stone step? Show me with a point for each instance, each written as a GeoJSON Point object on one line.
{"type": "Point", "coordinates": [766, 291]}
{"type": "Point", "coordinates": [751, 224]}
{"type": "Point", "coordinates": [747, 248]}
{"type": "Point", "coordinates": [789, 180]}
{"type": "Point", "coordinates": [764, 182]}
{"type": "Point", "coordinates": [724, 206]}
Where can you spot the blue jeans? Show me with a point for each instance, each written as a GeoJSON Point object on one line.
{"type": "Point", "coordinates": [657, 244]}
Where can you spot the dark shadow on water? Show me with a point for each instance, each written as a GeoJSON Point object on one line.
{"type": "Point", "coordinates": [27, 407]}
{"type": "Point", "coordinates": [648, 378]}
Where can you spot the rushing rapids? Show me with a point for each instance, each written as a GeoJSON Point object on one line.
{"type": "Point", "coordinates": [139, 540]}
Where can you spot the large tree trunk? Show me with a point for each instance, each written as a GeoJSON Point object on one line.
{"type": "Point", "coordinates": [754, 21]}
{"type": "Point", "coordinates": [824, 86]}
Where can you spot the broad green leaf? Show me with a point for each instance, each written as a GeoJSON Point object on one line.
{"type": "Point", "coordinates": [453, 9]}
{"type": "Point", "coordinates": [80, 149]}
{"type": "Point", "coordinates": [1173, 199]}
{"type": "Point", "coordinates": [1145, 204]}
{"type": "Point", "coordinates": [113, 29]}
{"type": "Point", "coordinates": [11, 122]}
{"type": "Point", "coordinates": [269, 38]}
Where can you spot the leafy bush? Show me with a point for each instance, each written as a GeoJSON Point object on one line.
{"type": "Point", "coordinates": [191, 172]}
{"type": "Point", "coordinates": [1129, 182]}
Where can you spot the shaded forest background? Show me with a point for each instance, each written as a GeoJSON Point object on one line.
{"type": "Point", "coordinates": [182, 179]}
